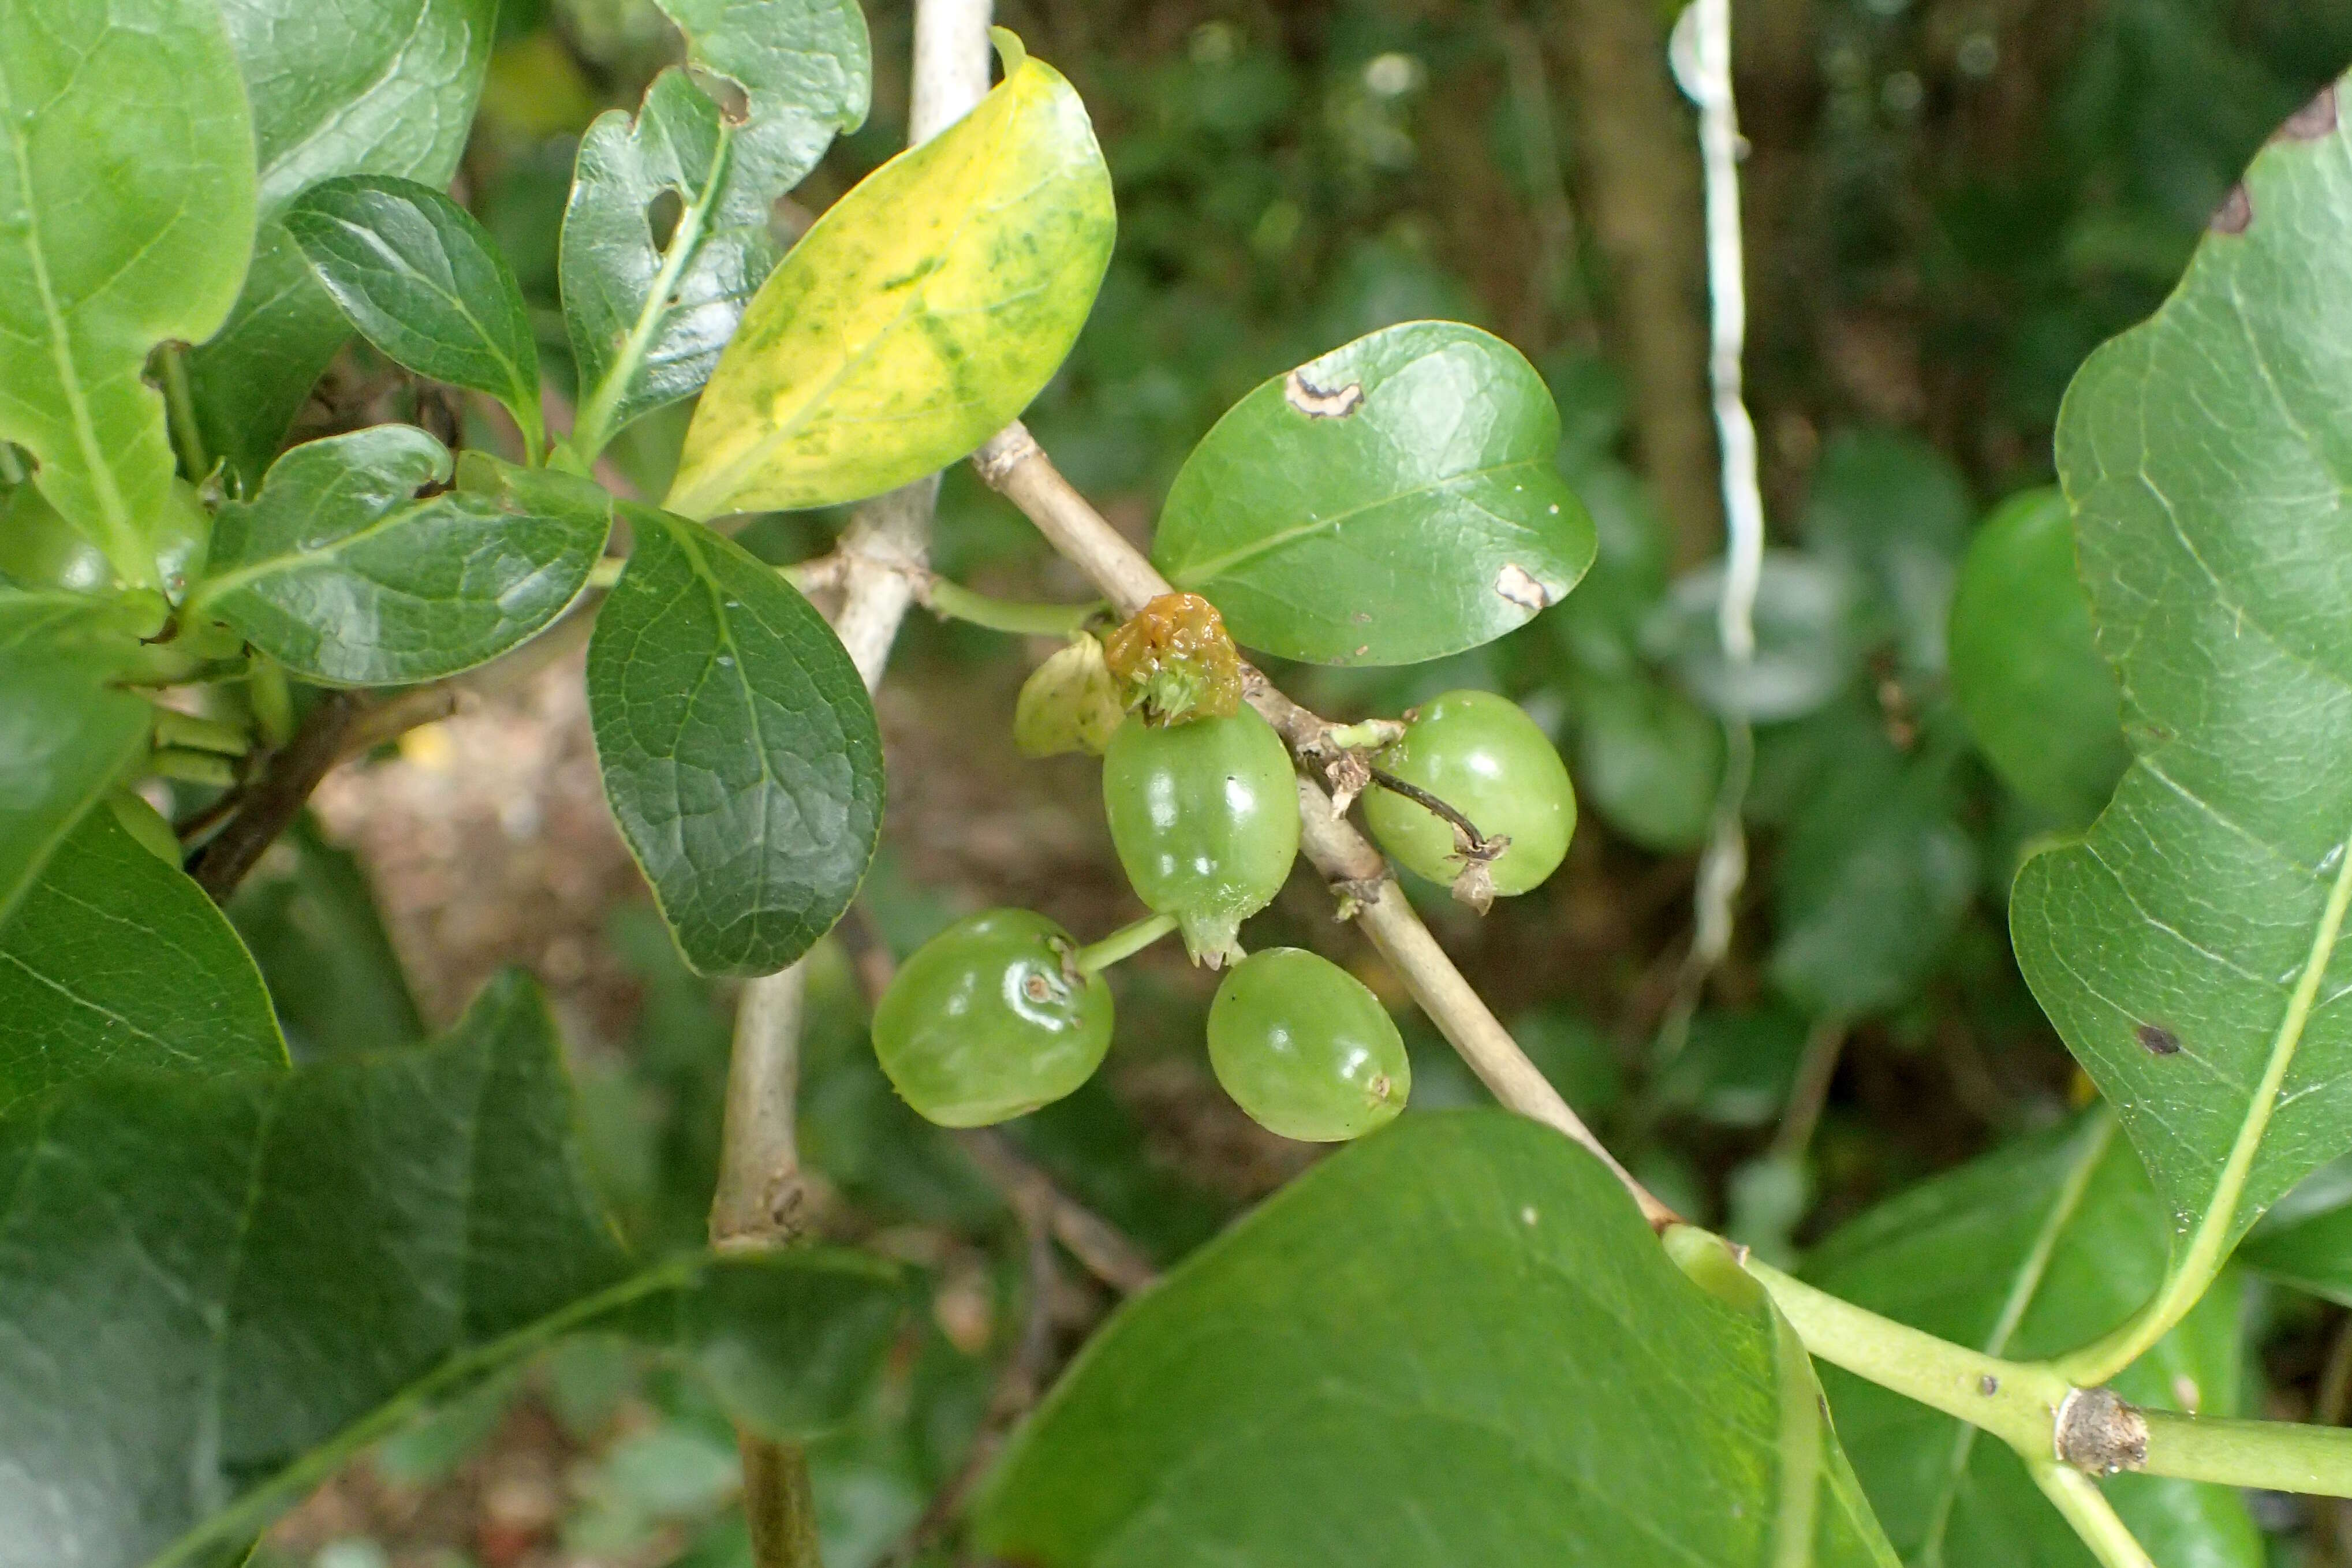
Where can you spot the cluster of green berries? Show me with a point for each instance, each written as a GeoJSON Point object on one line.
{"type": "Point", "coordinates": [1002, 1013]}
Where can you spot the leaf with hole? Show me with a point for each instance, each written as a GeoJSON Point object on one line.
{"type": "Point", "coordinates": [126, 219]}
{"type": "Point", "coordinates": [113, 960]}
{"type": "Point", "coordinates": [423, 282]}
{"type": "Point", "coordinates": [666, 233]}
{"type": "Point", "coordinates": [2204, 456]}
{"type": "Point", "coordinates": [1453, 1342]}
{"type": "Point", "coordinates": [1393, 502]}
{"type": "Point", "coordinates": [340, 572]}
{"type": "Point", "coordinates": [2026, 672]}
{"type": "Point", "coordinates": [737, 744]}
{"type": "Point", "coordinates": [925, 310]}
{"type": "Point", "coordinates": [2026, 1253]}
{"type": "Point", "coordinates": [388, 88]}
{"type": "Point", "coordinates": [217, 1291]}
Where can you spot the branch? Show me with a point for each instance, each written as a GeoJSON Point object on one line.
{"type": "Point", "coordinates": [271, 801]}
{"type": "Point", "coordinates": [343, 725]}
{"type": "Point", "coordinates": [1094, 1241]}
{"type": "Point", "coordinates": [758, 1192]}
{"type": "Point", "coordinates": [1012, 463]}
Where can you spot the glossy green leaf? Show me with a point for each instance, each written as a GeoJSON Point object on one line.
{"type": "Point", "coordinates": [388, 88]}
{"type": "Point", "coordinates": [2188, 947]}
{"type": "Point", "coordinates": [1392, 501]}
{"type": "Point", "coordinates": [2028, 1253]}
{"type": "Point", "coordinates": [648, 314]}
{"type": "Point", "coordinates": [2040, 702]}
{"type": "Point", "coordinates": [1875, 875]}
{"type": "Point", "coordinates": [926, 309]}
{"type": "Point", "coordinates": [739, 747]}
{"type": "Point", "coordinates": [113, 960]}
{"type": "Point", "coordinates": [310, 918]}
{"type": "Point", "coordinates": [126, 219]}
{"type": "Point", "coordinates": [422, 281]}
{"type": "Point", "coordinates": [340, 572]}
{"type": "Point", "coordinates": [1453, 1342]}
{"type": "Point", "coordinates": [217, 1292]}
{"type": "Point", "coordinates": [66, 735]}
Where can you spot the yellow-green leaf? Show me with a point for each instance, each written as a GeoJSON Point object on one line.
{"type": "Point", "coordinates": [923, 312]}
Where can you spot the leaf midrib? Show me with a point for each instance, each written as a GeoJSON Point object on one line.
{"type": "Point", "coordinates": [1218, 566]}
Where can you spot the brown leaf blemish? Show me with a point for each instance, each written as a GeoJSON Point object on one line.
{"type": "Point", "coordinates": [1317, 404]}
{"type": "Point", "coordinates": [2157, 1041]}
{"type": "Point", "coordinates": [2236, 211]}
{"type": "Point", "coordinates": [2313, 121]}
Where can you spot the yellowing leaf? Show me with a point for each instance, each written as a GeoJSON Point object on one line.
{"type": "Point", "coordinates": [923, 312]}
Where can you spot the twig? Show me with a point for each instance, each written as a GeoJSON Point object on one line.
{"type": "Point", "coordinates": [1433, 805]}
{"type": "Point", "coordinates": [1011, 463]}
{"type": "Point", "coordinates": [759, 1185]}
{"type": "Point", "coordinates": [342, 726]}
{"type": "Point", "coordinates": [1092, 1240]}
{"type": "Point", "coordinates": [1825, 1043]}
{"type": "Point", "coordinates": [1018, 1383]}
{"type": "Point", "coordinates": [272, 801]}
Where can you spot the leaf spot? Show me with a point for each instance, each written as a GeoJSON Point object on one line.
{"type": "Point", "coordinates": [2313, 121]}
{"type": "Point", "coordinates": [1516, 584]}
{"type": "Point", "coordinates": [2236, 211]}
{"type": "Point", "coordinates": [1316, 402]}
{"type": "Point", "coordinates": [1528, 1215]}
{"type": "Point", "coordinates": [2158, 1041]}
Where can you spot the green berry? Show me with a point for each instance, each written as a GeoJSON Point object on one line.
{"type": "Point", "coordinates": [1483, 757]}
{"type": "Point", "coordinates": [985, 1022]}
{"type": "Point", "coordinates": [1306, 1050]}
{"type": "Point", "coordinates": [1205, 819]}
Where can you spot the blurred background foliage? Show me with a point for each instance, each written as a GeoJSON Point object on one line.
{"type": "Point", "coordinates": [1950, 202]}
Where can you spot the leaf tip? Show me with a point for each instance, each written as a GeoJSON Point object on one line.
{"type": "Point", "coordinates": [1008, 48]}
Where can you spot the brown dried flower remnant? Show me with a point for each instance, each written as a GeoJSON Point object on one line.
{"type": "Point", "coordinates": [1174, 662]}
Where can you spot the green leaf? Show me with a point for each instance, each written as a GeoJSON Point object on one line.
{"type": "Point", "coordinates": [1393, 502]}
{"type": "Point", "coordinates": [2038, 699]}
{"type": "Point", "coordinates": [1648, 759]}
{"type": "Point", "coordinates": [2184, 946]}
{"type": "Point", "coordinates": [2027, 1253]}
{"type": "Point", "coordinates": [648, 316]}
{"type": "Point", "coordinates": [388, 88]}
{"type": "Point", "coordinates": [217, 1291]}
{"type": "Point", "coordinates": [737, 744]}
{"type": "Point", "coordinates": [66, 735]}
{"type": "Point", "coordinates": [1894, 512]}
{"type": "Point", "coordinates": [126, 218]}
{"type": "Point", "coordinates": [423, 282]}
{"type": "Point", "coordinates": [2306, 1241]}
{"type": "Point", "coordinates": [926, 309]}
{"type": "Point", "coordinates": [1809, 645]}
{"type": "Point", "coordinates": [340, 573]}
{"type": "Point", "coordinates": [309, 918]}
{"type": "Point", "coordinates": [1874, 876]}
{"type": "Point", "coordinates": [1454, 1341]}
{"type": "Point", "coordinates": [113, 960]}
